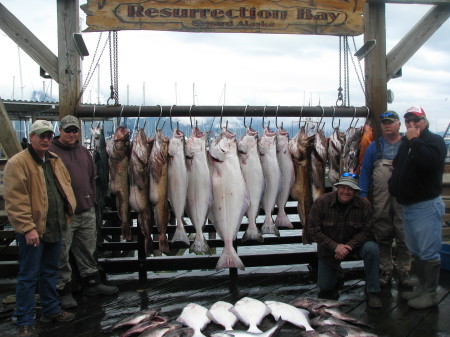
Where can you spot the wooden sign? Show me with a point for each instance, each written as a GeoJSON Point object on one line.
{"type": "Point", "coordinates": [326, 17]}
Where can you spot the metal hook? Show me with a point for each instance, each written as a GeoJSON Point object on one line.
{"type": "Point", "coordinates": [245, 112]}
{"type": "Point", "coordinates": [170, 117]}
{"type": "Point", "coordinates": [300, 119]}
{"type": "Point", "coordinates": [190, 116]}
{"type": "Point", "coordinates": [264, 116]}
{"type": "Point", "coordinates": [332, 121]}
{"type": "Point", "coordinates": [221, 115]}
{"type": "Point", "coordinates": [323, 113]}
{"type": "Point", "coordinates": [276, 117]}
{"type": "Point", "coordinates": [139, 116]}
{"type": "Point", "coordinates": [354, 114]}
{"type": "Point", "coordinates": [120, 116]}
{"type": "Point", "coordinates": [157, 123]}
{"type": "Point", "coordinates": [93, 116]}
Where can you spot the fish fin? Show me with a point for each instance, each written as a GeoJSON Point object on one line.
{"type": "Point", "coordinates": [253, 234]}
{"type": "Point", "coordinates": [283, 221]}
{"type": "Point", "coordinates": [269, 227]}
{"type": "Point", "coordinates": [254, 329]}
{"type": "Point", "coordinates": [181, 235]}
{"type": "Point", "coordinates": [163, 243]}
{"type": "Point", "coordinates": [229, 259]}
{"type": "Point", "coordinates": [126, 230]}
{"type": "Point", "coordinates": [199, 245]}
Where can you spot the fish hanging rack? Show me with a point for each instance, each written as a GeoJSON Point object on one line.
{"type": "Point", "coordinates": [102, 112]}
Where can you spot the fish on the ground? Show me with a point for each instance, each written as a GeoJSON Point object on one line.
{"type": "Point", "coordinates": [194, 316]}
{"type": "Point", "coordinates": [254, 177]}
{"type": "Point", "coordinates": [118, 149]}
{"type": "Point", "coordinates": [139, 186]}
{"type": "Point", "coordinates": [300, 148]}
{"type": "Point", "coordinates": [230, 196]}
{"type": "Point", "coordinates": [272, 175]}
{"type": "Point", "coordinates": [366, 139]}
{"type": "Point", "coordinates": [239, 333]}
{"type": "Point", "coordinates": [158, 162]}
{"type": "Point", "coordinates": [328, 320]}
{"type": "Point", "coordinates": [251, 312]}
{"type": "Point", "coordinates": [338, 331]}
{"type": "Point", "coordinates": [181, 332]}
{"type": "Point", "coordinates": [289, 313]}
{"type": "Point", "coordinates": [350, 154]}
{"type": "Point", "coordinates": [318, 162]}
{"type": "Point", "coordinates": [287, 177]}
{"type": "Point", "coordinates": [324, 311]}
{"type": "Point", "coordinates": [144, 325]}
{"type": "Point", "coordinates": [310, 303]}
{"type": "Point", "coordinates": [178, 183]}
{"type": "Point", "coordinates": [161, 330]}
{"type": "Point", "coordinates": [142, 315]}
{"type": "Point", "coordinates": [335, 147]}
{"type": "Point", "coordinates": [199, 192]}
{"type": "Point", "coordinates": [220, 314]}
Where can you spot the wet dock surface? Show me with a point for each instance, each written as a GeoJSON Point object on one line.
{"type": "Point", "coordinates": [174, 290]}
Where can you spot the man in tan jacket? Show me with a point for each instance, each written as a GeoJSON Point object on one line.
{"type": "Point", "coordinates": [39, 202]}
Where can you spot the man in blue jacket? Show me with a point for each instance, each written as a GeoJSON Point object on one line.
{"type": "Point", "coordinates": [375, 173]}
{"type": "Point", "coordinates": [416, 182]}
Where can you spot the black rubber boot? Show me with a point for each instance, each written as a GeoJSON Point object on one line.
{"type": "Point", "coordinates": [93, 286]}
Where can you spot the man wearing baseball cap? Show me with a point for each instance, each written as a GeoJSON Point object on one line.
{"type": "Point", "coordinates": [375, 173]}
{"type": "Point", "coordinates": [341, 223]}
{"type": "Point", "coordinates": [416, 182]}
{"type": "Point", "coordinates": [39, 202]}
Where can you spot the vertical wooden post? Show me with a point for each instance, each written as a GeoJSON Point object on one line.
{"type": "Point", "coordinates": [375, 63]}
{"type": "Point", "coordinates": [8, 137]}
{"type": "Point", "coordinates": [68, 57]}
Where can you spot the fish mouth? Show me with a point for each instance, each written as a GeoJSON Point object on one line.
{"type": "Point", "coordinates": [251, 132]}
{"type": "Point", "coordinates": [268, 132]}
{"type": "Point", "coordinates": [197, 133]}
{"type": "Point", "coordinates": [178, 133]}
{"type": "Point", "coordinates": [229, 134]}
{"type": "Point", "coordinates": [282, 131]}
{"type": "Point", "coordinates": [121, 134]}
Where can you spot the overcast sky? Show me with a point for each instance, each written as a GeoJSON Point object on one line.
{"type": "Point", "coordinates": [256, 69]}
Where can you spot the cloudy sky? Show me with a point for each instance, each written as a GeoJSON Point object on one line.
{"type": "Point", "coordinates": [234, 69]}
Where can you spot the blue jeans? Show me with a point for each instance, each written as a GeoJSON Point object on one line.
{"type": "Point", "coordinates": [422, 222]}
{"type": "Point", "coordinates": [327, 276]}
{"type": "Point", "coordinates": [37, 266]}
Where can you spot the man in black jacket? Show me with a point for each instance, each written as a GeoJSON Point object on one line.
{"type": "Point", "coordinates": [81, 235]}
{"type": "Point", "coordinates": [416, 182]}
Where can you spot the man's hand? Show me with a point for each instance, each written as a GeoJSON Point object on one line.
{"type": "Point", "coordinates": [32, 238]}
{"type": "Point", "coordinates": [342, 251]}
{"type": "Point", "coordinates": [412, 132]}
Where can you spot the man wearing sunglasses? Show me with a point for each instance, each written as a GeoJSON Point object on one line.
{"type": "Point", "coordinates": [39, 202]}
{"type": "Point", "coordinates": [341, 223]}
{"type": "Point", "coordinates": [81, 236]}
{"type": "Point", "coordinates": [375, 173]}
{"type": "Point", "coordinates": [416, 182]}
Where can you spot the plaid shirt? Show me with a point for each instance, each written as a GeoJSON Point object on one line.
{"type": "Point", "coordinates": [329, 226]}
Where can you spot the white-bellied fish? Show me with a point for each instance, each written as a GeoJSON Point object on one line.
{"type": "Point", "coordinates": [145, 325]}
{"type": "Point", "coordinates": [251, 312]}
{"type": "Point", "coordinates": [230, 196]}
{"type": "Point", "coordinates": [254, 177]}
{"type": "Point", "coordinates": [143, 315]}
{"type": "Point", "coordinates": [194, 316]}
{"type": "Point", "coordinates": [289, 313]}
{"type": "Point", "coordinates": [220, 314]}
{"type": "Point", "coordinates": [178, 183]}
{"type": "Point", "coordinates": [272, 175]}
{"type": "Point", "coordinates": [239, 333]}
{"type": "Point", "coordinates": [199, 193]}
{"type": "Point", "coordinates": [335, 147]}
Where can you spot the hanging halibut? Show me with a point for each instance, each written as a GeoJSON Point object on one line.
{"type": "Point", "coordinates": [199, 193]}
{"type": "Point", "coordinates": [158, 186]}
{"type": "Point", "coordinates": [178, 183]}
{"type": "Point", "coordinates": [272, 175]}
{"type": "Point", "coordinates": [350, 155]}
{"type": "Point", "coordinates": [139, 186]}
{"type": "Point", "coordinates": [335, 147]}
{"type": "Point", "coordinates": [318, 162]}
{"type": "Point", "coordinates": [287, 177]}
{"type": "Point", "coordinates": [300, 148]}
{"type": "Point", "coordinates": [230, 196]}
{"type": "Point", "coordinates": [118, 149]}
{"type": "Point", "coordinates": [254, 177]}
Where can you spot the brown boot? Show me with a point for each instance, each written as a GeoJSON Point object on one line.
{"type": "Point", "coordinates": [385, 278]}
{"type": "Point", "coordinates": [403, 280]}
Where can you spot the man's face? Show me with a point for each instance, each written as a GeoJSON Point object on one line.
{"type": "Point", "coordinates": [41, 142]}
{"type": "Point", "coordinates": [389, 127]}
{"type": "Point", "coordinates": [69, 135]}
{"type": "Point", "coordinates": [412, 121]}
{"type": "Point", "coordinates": [345, 194]}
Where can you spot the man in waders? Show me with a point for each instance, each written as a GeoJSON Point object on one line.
{"type": "Point", "coordinates": [375, 173]}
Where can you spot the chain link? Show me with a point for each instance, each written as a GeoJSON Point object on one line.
{"type": "Point", "coordinates": [113, 68]}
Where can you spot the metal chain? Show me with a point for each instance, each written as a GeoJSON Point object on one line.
{"type": "Point", "coordinates": [361, 82]}
{"type": "Point", "coordinates": [116, 69]}
{"type": "Point", "coordinates": [339, 101]}
{"type": "Point", "coordinates": [346, 74]}
{"type": "Point", "coordinates": [113, 68]}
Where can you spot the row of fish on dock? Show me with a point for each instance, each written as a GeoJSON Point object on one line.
{"type": "Point", "coordinates": [221, 181]}
{"type": "Point", "coordinates": [327, 319]}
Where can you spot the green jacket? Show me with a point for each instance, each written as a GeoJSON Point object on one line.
{"type": "Point", "coordinates": [25, 192]}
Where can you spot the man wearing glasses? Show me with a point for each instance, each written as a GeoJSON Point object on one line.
{"type": "Point", "coordinates": [341, 223]}
{"type": "Point", "coordinates": [416, 182]}
{"type": "Point", "coordinates": [375, 173]}
{"type": "Point", "coordinates": [81, 237]}
{"type": "Point", "coordinates": [39, 202]}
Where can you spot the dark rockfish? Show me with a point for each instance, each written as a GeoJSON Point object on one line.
{"type": "Point", "coordinates": [178, 183]}
{"type": "Point", "coordinates": [161, 330]}
{"type": "Point", "coordinates": [310, 303]}
{"type": "Point", "coordinates": [159, 186]}
{"type": "Point", "coordinates": [144, 325]}
{"type": "Point", "coordinates": [350, 155]}
{"type": "Point", "coordinates": [253, 174]}
{"type": "Point", "coordinates": [139, 186]}
{"type": "Point", "coordinates": [230, 196]}
{"type": "Point", "coordinates": [328, 320]}
{"type": "Point", "coordinates": [340, 330]}
{"type": "Point", "coordinates": [181, 332]}
{"type": "Point", "coordinates": [318, 162]}
{"type": "Point", "coordinates": [118, 148]}
{"type": "Point", "coordinates": [335, 147]}
{"type": "Point", "coordinates": [324, 311]}
{"type": "Point", "coordinates": [300, 148]}
{"type": "Point", "coordinates": [140, 316]}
